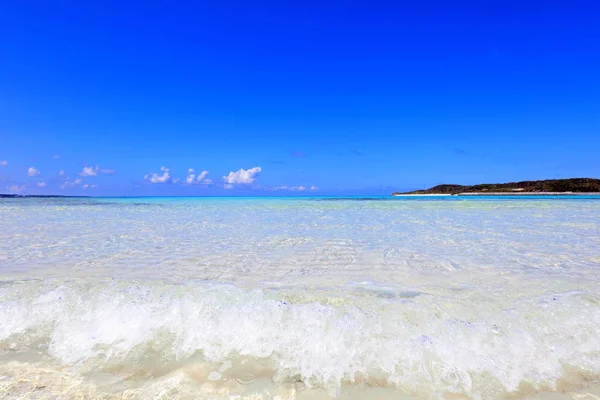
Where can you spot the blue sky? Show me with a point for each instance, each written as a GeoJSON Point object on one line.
{"type": "Point", "coordinates": [277, 97]}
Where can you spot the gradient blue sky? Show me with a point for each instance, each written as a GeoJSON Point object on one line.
{"type": "Point", "coordinates": [346, 96]}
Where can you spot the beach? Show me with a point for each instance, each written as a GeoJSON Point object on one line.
{"type": "Point", "coordinates": [543, 194]}
{"type": "Point", "coordinates": [300, 298]}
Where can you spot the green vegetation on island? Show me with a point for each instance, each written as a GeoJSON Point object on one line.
{"type": "Point", "coordinates": [574, 185]}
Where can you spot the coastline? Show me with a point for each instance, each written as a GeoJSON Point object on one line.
{"type": "Point", "coordinates": [421, 195]}
{"type": "Point", "coordinates": [528, 194]}
{"type": "Point", "coordinates": [547, 187]}
{"type": "Point", "coordinates": [498, 194]}
{"type": "Point", "coordinates": [54, 380]}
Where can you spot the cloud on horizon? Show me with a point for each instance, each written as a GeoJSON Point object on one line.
{"type": "Point", "coordinates": [68, 183]}
{"type": "Point", "coordinates": [89, 171]}
{"type": "Point", "coordinates": [154, 177]}
{"type": "Point", "coordinates": [241, 177]}
{"type": "Point", "coordinates": [32, 171]}
{"type": "Point", "coordinates": [94, 170]}
{"type": "Point", "coordinates": [295, 188]}
{"type": "Point", "coordinates": [16, 189]}
{"type": "Point", "coordinates": [192, 179]}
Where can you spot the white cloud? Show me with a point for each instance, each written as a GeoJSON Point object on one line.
{"type": "Point", "coordinates": [191, 177]}
{"type": "Point", "coordinates": [16, 189]}
{"type": "Point", "coordinates": [241, 177]}
{"type": "Point", "coordinates": [89, 171]}
{"type": "Point", "coordinates": [3, 163]}
{"type": "Point", "coordinates": [41, 184]}
{"type": "Point", "coordinates": [69, 183]}
{"type": "Point", "coordinates": [202, 175]}
{"type": "Point", "coordinates": [61, 173]}
{"type": "Point", "coordinates": [93, 171]}
{"type": "Point", "coordinates": [86, 186]}
{"type": "Point", "coordinates": [295, 188]}
{"type": "Point", "coordinates": [165, 177]}
{"type": "Point", "coordinates": [33, 172]}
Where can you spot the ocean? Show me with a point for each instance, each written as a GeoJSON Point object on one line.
{"type": "Point", "coordinates": [300, 298]}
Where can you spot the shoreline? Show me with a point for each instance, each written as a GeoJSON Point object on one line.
{"type": "Point", "coordinates": [498, 194]}
{"type": "Point", "coordinates": [421, 195]}
{"type": "Point", "coordinates": [528, 194]}
{"type": "Point", "coordinates": [55, 380]}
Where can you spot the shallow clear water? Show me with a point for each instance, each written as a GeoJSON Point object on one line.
{"type": "Point", "coordinates": [299, 298]}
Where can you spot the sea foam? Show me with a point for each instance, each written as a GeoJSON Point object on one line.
{"type": "Point", "coordinates": [425, 345]}
{"type": "Point", "coordinates": [298, 299]}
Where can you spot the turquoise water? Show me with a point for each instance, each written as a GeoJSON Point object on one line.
{"type": "Point", "coordinates": [300, 297]}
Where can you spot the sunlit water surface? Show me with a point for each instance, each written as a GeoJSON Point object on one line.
{"type": "Point", "coordinates": [281, 298]}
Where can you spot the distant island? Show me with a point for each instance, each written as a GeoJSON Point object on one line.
{"type": "Point", "coordinates": [34, 196]}
{"type": "Point", "coordinates": [543, 187]}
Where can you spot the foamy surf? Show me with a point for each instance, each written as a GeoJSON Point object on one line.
{"type": "Point", "coordinates": [225, 337]}
{"type": "Point", "coordinates": [300, 300]}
